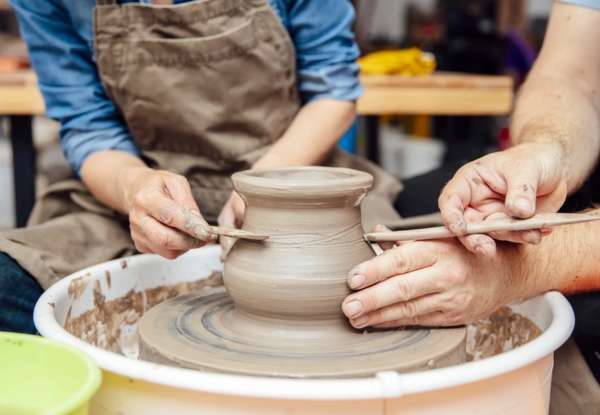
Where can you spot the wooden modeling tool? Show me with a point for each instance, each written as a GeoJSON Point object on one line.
{"type": "Point", "coordinates": [237, 233]}
{"type": "Point", "coordinates": [542, 220]}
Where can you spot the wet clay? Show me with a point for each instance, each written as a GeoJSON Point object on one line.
{"type": "Point", "coordinates": [502, 331]}
{"type": "Point", "coordinates": [112, 325]}
{"type": "Point", "coordinates": [281, 312]}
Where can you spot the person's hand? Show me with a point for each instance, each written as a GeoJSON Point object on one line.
{"type": "Point", "coordinates": [435, 283]}
{"type": "Point", "coordinates": [231, 216]}
{"type": "Point", "coordinates": [164, 218]}
{"type": "Point", "coordinates": [524, 180]}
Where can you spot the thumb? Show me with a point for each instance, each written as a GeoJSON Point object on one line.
{"type": "Point", "coordinates": [179, 190]}
{"type": "Point", "coordinates": [521, 194]}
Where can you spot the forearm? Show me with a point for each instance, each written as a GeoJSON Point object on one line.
{"type": "Point", "coordinates": [314, 132]}
{"type": "Point", "coordinates": [559, 105]}
{"type": "Point", "coordinates": [108, 174]}
{"type": "Point", "coordinates": [559, 113]}
{"type": "Point", "coordinates": [568, 260]}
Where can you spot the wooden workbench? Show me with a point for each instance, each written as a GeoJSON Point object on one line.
{"type": "Point", "coordinates": [437, 94]}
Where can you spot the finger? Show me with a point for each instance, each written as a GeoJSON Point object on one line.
{"type": "Point", "coordinates": [384, 245]}
{"type": "Point", "coordinates": [522, 188]}
{"type": "Point", "coordinates": [238, 207]}
{"type": "Point", "coordinates": [400, 288]}
{"type": "Point", "coordinates": [452, 203]}
{"type": "Point", "coordinates": [142, 249]}
{"type": "Point", "coordinates": [162, 237]}
{"type": "Point", "coordinates": [479, 244]}
{"type": "Point", "coordinates": [406, 258]}
{"type": "Point", "coordinates": [173, 215]}
{"type": "Point", "coordinates": [403, 310]}
{"type": "Point", "coordinates": [226, 219]}
{"type": "Point", "coordinates": [178, 189]}
{"type": "Point", "coordinates": [553, 201]}
{"type": "Point", "coordinates": [226, 245]}
{"type": "Point", "coordinates": [530, 236]}
{"type": "Point", "coordinates": [144, 245]}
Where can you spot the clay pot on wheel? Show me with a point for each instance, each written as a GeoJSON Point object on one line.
{"type": "Point", "coordinates": [312, 217]}
{"type": "Point", "coordinates": [281, 314]}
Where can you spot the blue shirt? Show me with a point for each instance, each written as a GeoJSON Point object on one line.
{"type": "Point", "coordinates": [59, 37]}
{"type": "Point", "coordinates": [594, 4]}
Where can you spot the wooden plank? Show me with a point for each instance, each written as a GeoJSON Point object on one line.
{"type": "Point", "coordinates": [18, 78]}
{"type": "Point", "coordinates": [21, 100]}
{"type": "Point", "coordinates": [437, 94]}
{"type": "Point", "coordinates": [439, 80]}
{"type": "Point", "coordinates": [435, 101]}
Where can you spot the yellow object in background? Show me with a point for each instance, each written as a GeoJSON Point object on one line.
{"type": "Point", "coordinates": [406, 62]}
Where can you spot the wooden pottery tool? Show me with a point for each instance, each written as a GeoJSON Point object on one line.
{"type": "Point", "coordinates": [542, 220]}
{"type": "Point", "coordinates": [237, 233]}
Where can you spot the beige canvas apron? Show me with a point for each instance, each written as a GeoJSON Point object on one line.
{"type": "Point", "coordinates": [205, 87]}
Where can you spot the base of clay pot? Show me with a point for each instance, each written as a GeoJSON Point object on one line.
{"type": "Point", "coordinates": [204, 331]}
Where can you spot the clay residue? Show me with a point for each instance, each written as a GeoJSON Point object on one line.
{"type": "Point", "coordinates": [502, 331]}
{"type": "Point", "coordinates": [157, 295]}
{"type": "Point", "coordinates": [77, 286]}
{"type": "Point", "coordinates": [112, 325]}
{"type": "Point", "coordinates": [123, 264]}
{"type": "Point", "coordinates": [107, 275]}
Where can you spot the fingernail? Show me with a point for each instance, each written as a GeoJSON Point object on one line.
{"type": "Point", "coordinates": [531, 237]}
{"type": "Point", "coordinates": [357, 270]}
{"type": "Point", "coordinates": [360, 321]}
{"type": "Point", "coordinates": [354, 308]}
{"type": "Point", "coordinates": [201, 231]}
{"type": "Point", "coordinates": [196, 213]}
{"type": "Point", "coordinates": [357, 281]}
{"type": "Point", "coordinates": [480, 250]}
{"type": "Point", "coordinates": [522, 205]}
{"type": "Point", "coordinates": [456, 224]}
{"type": "Point", "coordinates": [385, 246]}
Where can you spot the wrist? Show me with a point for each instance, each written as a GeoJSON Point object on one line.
{"type": "Point", "coordinates": [126, 179]}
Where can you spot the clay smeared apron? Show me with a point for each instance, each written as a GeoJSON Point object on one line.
{"type": "Point", "coordinates": [205, 88]}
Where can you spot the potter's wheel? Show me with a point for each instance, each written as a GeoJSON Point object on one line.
{"type": "Point", "coordinates": [204, 331]}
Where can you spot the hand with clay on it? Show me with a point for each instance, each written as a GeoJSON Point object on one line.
{"type": "Point", "coordinates": [164, 217]}
{"type": "Point", "coordinates": [231, 216]}
{"type": "Point", "coordinates": [527, 179]}
{"type": "Point", "coordinates": [434, 283]}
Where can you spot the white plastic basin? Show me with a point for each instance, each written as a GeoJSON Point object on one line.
{"type": "Point", "coordinates": [515, 382]}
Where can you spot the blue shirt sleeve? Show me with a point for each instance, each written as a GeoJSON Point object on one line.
{"type": "Point", "coordinates": [594, 4]}
{"type": "Point", "coordinates": [69, 82]}
{"type": "Point", "coordinates": [326, 52]}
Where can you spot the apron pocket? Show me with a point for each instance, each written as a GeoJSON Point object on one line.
{"type": "Point", "coordinates": [236, 110]}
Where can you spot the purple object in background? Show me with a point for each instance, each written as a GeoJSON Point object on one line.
{"type": "Point", "coordinates": [520, 56]}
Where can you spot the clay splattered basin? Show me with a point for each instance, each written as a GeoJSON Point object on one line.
{"type": "Point", "coordinates": [102, 305]}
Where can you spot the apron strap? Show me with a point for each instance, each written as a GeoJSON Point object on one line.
{"type": "Point", "coordinates": [106, 2]}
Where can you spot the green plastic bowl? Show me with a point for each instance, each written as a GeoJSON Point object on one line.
{"type": "Point", "coordinates": [41, 376]}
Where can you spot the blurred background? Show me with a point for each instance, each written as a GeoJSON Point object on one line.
{"type": "Point", "coordinates": [478, 37]}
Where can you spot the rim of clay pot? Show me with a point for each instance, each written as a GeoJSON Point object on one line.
{"type": "Point", "coordinates": [316, 180]}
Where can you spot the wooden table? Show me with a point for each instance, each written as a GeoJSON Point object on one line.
{"type": "Point", "coordinates": [437, 94]}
